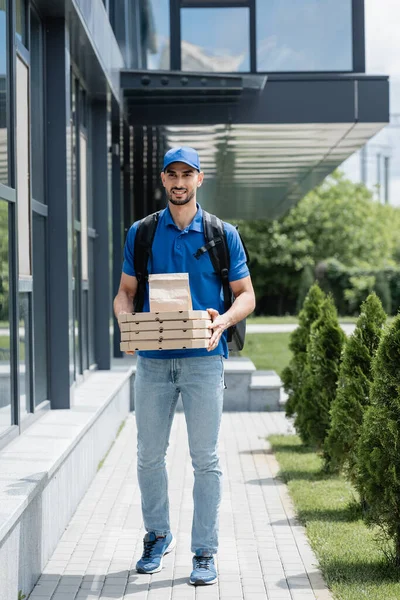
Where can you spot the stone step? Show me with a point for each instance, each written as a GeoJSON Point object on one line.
{"type": "Point", "coordinates": [247, 389]}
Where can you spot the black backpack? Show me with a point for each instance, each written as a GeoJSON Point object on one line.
{"type": "Point", "coordinates": [216, 244]}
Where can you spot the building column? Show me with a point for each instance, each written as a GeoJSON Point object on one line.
{"type": "Point", "coordinates": [117, 214]}
{"type": "Point", "coordinates": [101, 218]}
{"type": "Point", "coordinates": [59, 212]}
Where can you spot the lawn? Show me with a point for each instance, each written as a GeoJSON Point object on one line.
{"type": "Point", "coordinates": [268, 351]}
{"type": "Point", "coordinates": [287, 319]}
{"type": "Point", "coordinates": [350, 556]}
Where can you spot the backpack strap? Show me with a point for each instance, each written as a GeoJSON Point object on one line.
{"type": "Point", "coordinates": [141, 253]}
{"type": "Point", "coordinates": [217, 246]}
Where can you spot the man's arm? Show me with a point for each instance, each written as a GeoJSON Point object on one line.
{"type": "Point", "coordinates": [123, 301]}
{"type": "Point", "coordinates": [244, 304]}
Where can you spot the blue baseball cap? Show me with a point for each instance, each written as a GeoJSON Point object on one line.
{"type": "Point", "coordinates": [184, 154]}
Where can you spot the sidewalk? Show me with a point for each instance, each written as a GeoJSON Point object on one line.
{"type": "Point", "coordinates": [263, 552]}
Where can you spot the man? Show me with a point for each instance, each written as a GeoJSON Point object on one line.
{"type": "Point", "coordinates": [195, 373]}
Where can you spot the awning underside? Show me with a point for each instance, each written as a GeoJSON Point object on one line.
{"type": "Point", "coordinates": [259, 171]}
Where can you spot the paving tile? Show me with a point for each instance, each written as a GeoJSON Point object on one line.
{"type": "Point", "coordinates": [262, 546]}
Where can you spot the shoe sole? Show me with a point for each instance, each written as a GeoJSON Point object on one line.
{"type": "Point", "coordinates": [201, 582]}
{"type": "Point", "coordinates": [169, 549]}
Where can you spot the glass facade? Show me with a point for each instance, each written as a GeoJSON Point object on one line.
{"type": "Point", "coordinates": [20, 21]}
{"type": "Point", "coordinates": [304, 36]}
{"type": "Point", "coordinates": [5, 354]}
{"type": "Point", "coordinates": [37, 109]}
{"type": "Point", "coordinates": [215, 39]}
{"type": "Point", "coordinates": [155, 30]}
{"type": "Point", "coordinates": [24, 353]}
{"type": "Point", "coordinates": [40, 307]}
{"type": "Point", "coordinates": [3, 93]}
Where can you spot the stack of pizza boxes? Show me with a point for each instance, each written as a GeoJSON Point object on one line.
{"type": "Point", "coordinates": [171, 323]}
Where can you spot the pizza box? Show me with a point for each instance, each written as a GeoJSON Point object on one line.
{"type": "Point", "coordinates": [176, 315]}
{"type": "Point", "coordinates": [161, 326]}
{"type": "Point", "coordinates": [169, 334]}
{"type": "Point", "coordinates": [164, 345]}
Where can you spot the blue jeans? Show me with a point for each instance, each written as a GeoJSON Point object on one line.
{"type": "Point", "coordinates": [200, 380]}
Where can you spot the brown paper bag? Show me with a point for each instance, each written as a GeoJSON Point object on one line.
{"type": "Point", "coordinates": [169, 291]}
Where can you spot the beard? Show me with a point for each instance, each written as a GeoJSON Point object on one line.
{"type": "Point", "coordinates": [190, 196]}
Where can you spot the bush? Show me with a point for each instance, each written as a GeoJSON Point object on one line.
{"type": "Point", "coordinates": [292, 375]}
{"type": "Point", "coordinates": [382, 290]}
{"type": "Point", "coordinates": [350, 286]}
{"type": "Point", "coordinates": [306, 281]}
{"type": "Point", "coordinates": [320, 376]}
{"type": "Point", "coordinates": [352, 396]}
{"type": "Point", "coordinates": [378, 475]}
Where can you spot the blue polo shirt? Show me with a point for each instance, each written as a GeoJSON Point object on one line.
{"type": "Point", "coordinates": [173, 252]}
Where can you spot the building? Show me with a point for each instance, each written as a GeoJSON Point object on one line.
{"type": "Point", "coordinates": [91, 96]}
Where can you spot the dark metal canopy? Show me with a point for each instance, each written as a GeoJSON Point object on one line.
{"type": "Point", "coordinates": [265, 144]}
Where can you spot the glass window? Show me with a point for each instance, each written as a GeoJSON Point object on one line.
{"type": "Point", "coordinates": [20, 21]}
{"type": "Point", "coordinates": [3, 94]}
{"type": "Point", "coordinates": [5, 355]}
{"type": "Point", "coordinates": [215, 39]}
{"type": "Point", "coordinates": [23, 195]}
{"type": "Point", "coordinates": [39, 307]}
{"type": "Point", "coordinates": [83, 203]}
{"type": "Point", "coordinates": [24, 349]}
{"type": "Point", "coordinates": [304, 36]}
{"type": "Point", "coordinates": [155, 31]}
{"type": "Point", "coordinates": [37, 114]}
{"type": "Point", "coordinates": [92, 358]}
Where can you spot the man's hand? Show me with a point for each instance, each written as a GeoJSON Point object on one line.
{"type": "Point", "coordinates": [124, 312]}
{"type": "Point", "coordinates": [218, 325]}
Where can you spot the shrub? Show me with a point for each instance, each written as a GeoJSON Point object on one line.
{"type": "Point", "coordinates": [320, 376]}
{"type": "Point", "coordinates": [382, 290]}
{"type": "Point", "coordinates": [306, 281]}
{"type": "Point", "coordinates": [352, 397]}
{"type": "Point", "coordinates": [378, 473]}
{"type": "Point", "coordinates": [292, 375]}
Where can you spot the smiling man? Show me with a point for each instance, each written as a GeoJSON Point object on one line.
{"type": "Point", "coordinates": [197, 374]}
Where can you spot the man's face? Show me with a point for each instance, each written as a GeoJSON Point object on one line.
{"type": "Point", "coordinates": [181, 182]}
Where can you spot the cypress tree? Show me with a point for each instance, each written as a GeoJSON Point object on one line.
{"type": "Point", "coordinates": [382, 290]}
{"type": "Point", "coordinates": [378, 472]}
{"type": "Point", "coordinates": [292, 376]}
{"type": "Point", "coordinates": [352, 397]}
{"type": "Point", "coordinates": [306, 281]}
{"type": "Point", "coordinates": [320, 376]}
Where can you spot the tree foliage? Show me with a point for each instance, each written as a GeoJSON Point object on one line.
{"type": "Point", "coordinates": [320, 376]}
{"type": "Point", "coordinates": [337, 220]}
{"type": "Point", "coordinates": [353, 392]}
{"type": "Point", "coordinates": [293, 374]}
{"type": "Point", "coordinates": [378, 476]}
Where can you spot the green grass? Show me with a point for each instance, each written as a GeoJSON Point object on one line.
{"type": "Point", "coordinates": [350, 555]}
{"type": "Point", "coordinates": [268, 350]}
{"type": "Point", "coordinates": [288, 319]}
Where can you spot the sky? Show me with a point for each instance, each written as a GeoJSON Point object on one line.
{"type": "Point", "coordinates": [382, 43]}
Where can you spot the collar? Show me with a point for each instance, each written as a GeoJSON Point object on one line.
{"type": "Point", "coordinates": [195, 225]}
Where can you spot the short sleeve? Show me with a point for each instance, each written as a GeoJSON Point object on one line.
{"type": "Point", "coordinates": [128, 265]}
{"type": "Point", "coordinates": [238, 265]}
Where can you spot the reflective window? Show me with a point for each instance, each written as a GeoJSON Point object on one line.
{"type": "Point", "coordinates": [155, 31]}
{"type": "Point", "coordinates": [23, 195]}
{"type": "Point", "coordinates": [3, 94]}
{"type": "Point", "coordinates": [5, 355]}
{"type": "Point", "coordinates": [39, 307]}
{"type": "Point", "coordinates": [304, 36]}
{"type": "Point", "coordinates": [215, 39]}
{"type": "Point", "coordinates": [20, 21]}
{"type": "Point", "coordinates": [24, 349]}
{"type": "Point", "coordinates": [37, 109]}
{"type": "Point", "coordinates": [92, 358]}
